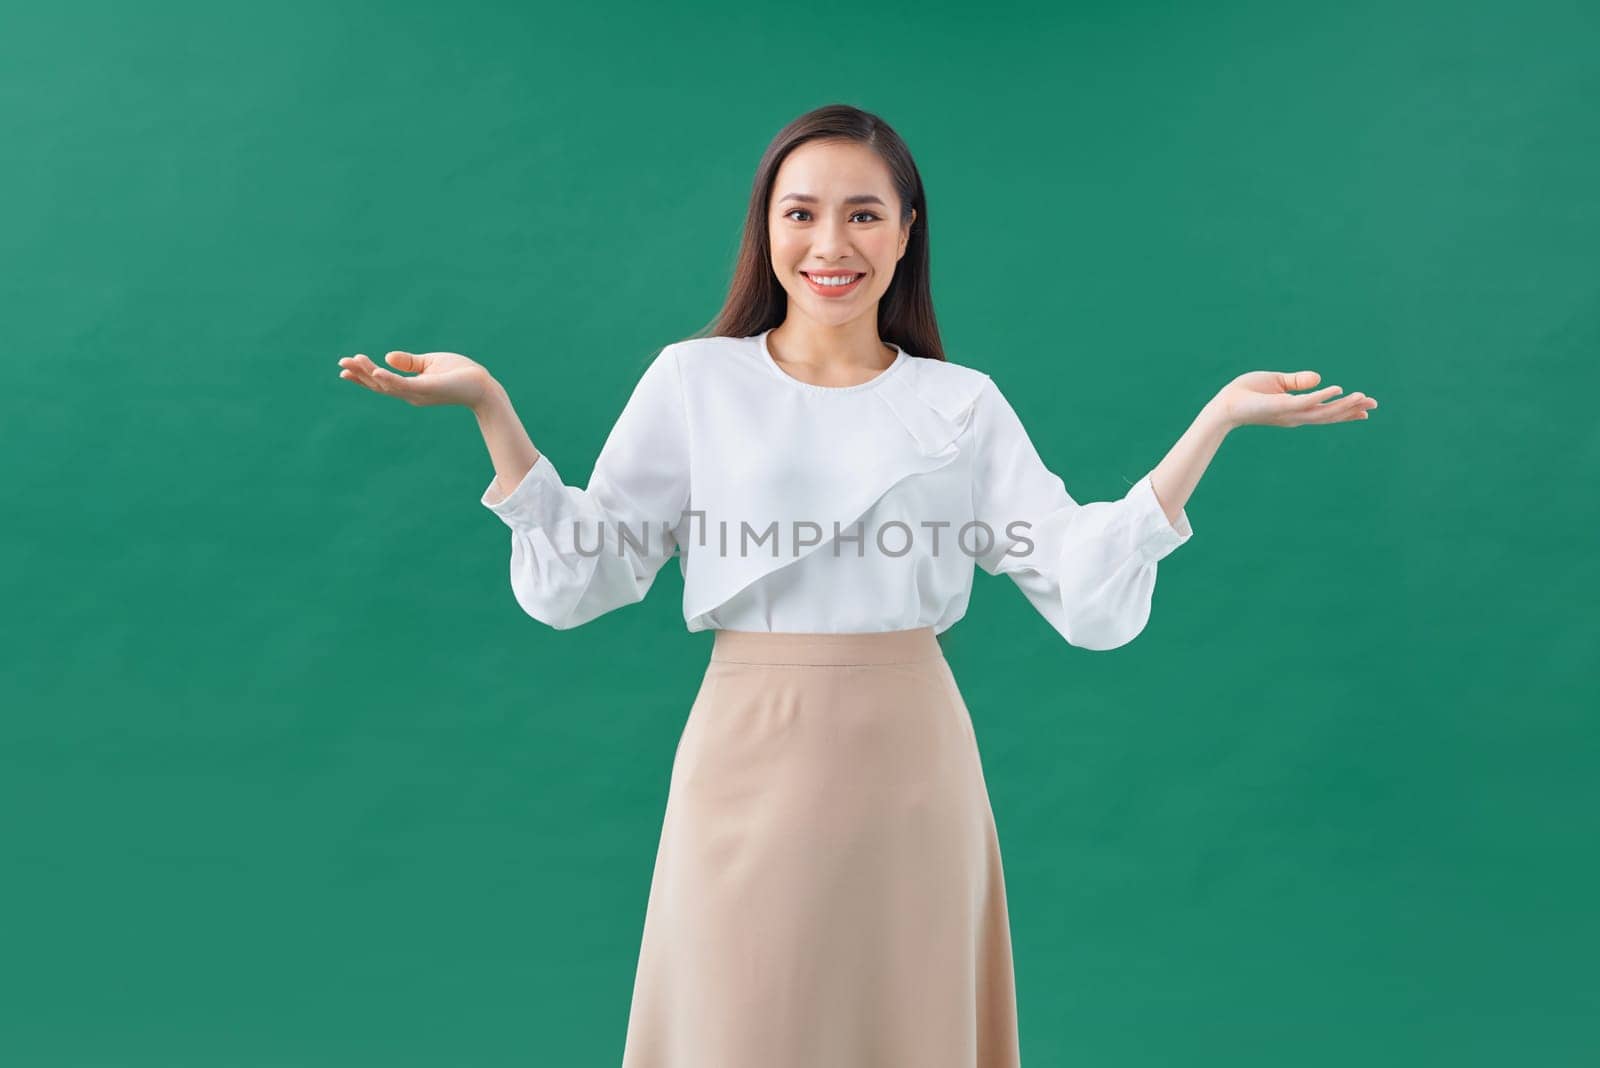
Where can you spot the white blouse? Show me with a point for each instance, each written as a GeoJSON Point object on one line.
{"type": "Point", "coordinates": [805, 508]}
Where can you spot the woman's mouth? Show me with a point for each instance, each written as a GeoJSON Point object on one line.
{"type": "Point", "coordinates": [834, 285]}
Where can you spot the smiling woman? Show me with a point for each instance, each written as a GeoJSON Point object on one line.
{"type": "Point", "coordinates": [828, 887]}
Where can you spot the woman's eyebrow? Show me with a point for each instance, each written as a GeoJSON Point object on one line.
{"type": "Point", "coordinates": [859, 198]}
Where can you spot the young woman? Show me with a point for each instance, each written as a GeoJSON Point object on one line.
{"type": "Point", "coordinates": [828, 888]}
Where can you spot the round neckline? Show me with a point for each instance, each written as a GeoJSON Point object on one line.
{"type": "Point", "coordinates": [900, 358]}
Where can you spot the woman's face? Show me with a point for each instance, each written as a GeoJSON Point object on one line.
{"type": "Point", "coordinates": [834, 213]}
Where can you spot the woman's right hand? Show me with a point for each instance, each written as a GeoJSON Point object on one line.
{"type": "Point", "coordinates": [437, 378]}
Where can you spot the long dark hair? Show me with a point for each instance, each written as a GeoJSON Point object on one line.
{"type": "Point", "coordinates": [757, 302]}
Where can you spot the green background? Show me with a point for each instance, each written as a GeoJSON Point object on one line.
{"type": "Point", "coordinates": [286, 778]}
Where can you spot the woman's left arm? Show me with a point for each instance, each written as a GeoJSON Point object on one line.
{"type": "Point", "coordinates": [1261, 398]}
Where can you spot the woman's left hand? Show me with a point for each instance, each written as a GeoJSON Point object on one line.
{"type": "Point", "coordinates": [1263, 398]}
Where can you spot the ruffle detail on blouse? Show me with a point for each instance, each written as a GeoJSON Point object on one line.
{"type": "Point", "coordinates": [835, 469]}
{"type": "Point", "coordinates": [935, 413]}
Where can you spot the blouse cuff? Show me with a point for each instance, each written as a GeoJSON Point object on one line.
{"type": "Point", "coordinates": [536, 501]}
{"type": "Point", "coordinates": [1153, 533]}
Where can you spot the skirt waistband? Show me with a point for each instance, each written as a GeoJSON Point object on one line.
{"type": "Point", "coordinates": [837, 649]}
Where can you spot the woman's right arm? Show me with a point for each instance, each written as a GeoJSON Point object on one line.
{"type": "Point", "coordinates": [510, 448]}
{"type": "Point", "coordinates": [449, 378]}
{"type": "Point", "coordinates": [575, 553]}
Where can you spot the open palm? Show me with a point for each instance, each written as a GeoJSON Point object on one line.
{"type": "Point", "coordinates": [1263, 398]}
{"type": "Point", "coordinates": [436, 378]}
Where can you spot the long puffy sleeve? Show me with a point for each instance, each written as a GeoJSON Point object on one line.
{"type": "Point", "coordinates": [579, 553]}
{"type": "Point", "coordinates": [1090, 569]}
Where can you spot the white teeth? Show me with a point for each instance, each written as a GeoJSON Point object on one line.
{"type": "Point", "coordinates": [843, 280]}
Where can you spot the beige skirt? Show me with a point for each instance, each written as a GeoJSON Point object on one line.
{"type": "Point", "coordinates": [828, 890]}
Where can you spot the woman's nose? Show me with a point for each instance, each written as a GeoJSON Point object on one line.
{"type": "Point", "coordinates": [833, 238]}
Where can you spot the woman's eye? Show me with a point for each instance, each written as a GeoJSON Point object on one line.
{"type": "Point", "coordinates": [803, 211]}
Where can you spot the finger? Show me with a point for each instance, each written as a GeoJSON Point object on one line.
{"type": "Point", "coordinates": [407, 361]}
{"type": "Point", "coordinates": [1312, 400]}
{"type": "Point", "coordinates": [1298, 379]}
{"type": "Point", "coordinates": [1362, 407]}
{"type": "Point", "coordinates": [383, 380]}
{"type": "Point", "coordinates": [359, 379]}
{"type": "Point", "coordinates": [1342, 409]}
{"type": "Point", "coordinates": [386, 381]}
{"type": "Point", "coordinates": [353, 370]}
